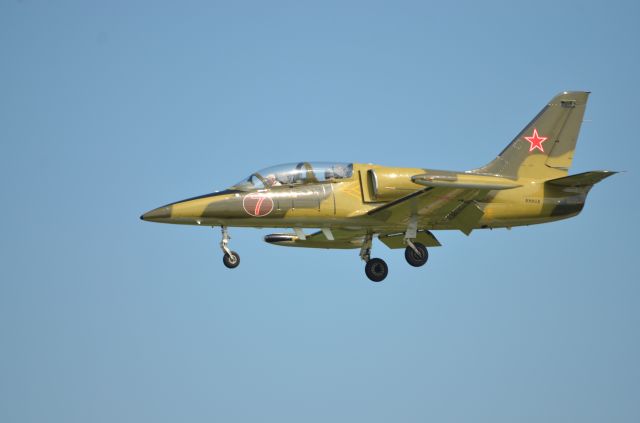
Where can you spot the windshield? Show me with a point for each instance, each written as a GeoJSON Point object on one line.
{"type": "Point", "coordinates": [296, 174]}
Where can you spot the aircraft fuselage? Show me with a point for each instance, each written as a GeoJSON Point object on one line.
{"type": "Point", "coordinates": [346, 203]}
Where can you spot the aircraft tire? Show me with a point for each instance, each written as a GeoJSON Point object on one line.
{"type": "Point", "coordinates": [376, 269]}
{"type": "Point", "coordinates": [414, 259]}
{"type": "Point", "coordinates": [231, 261]}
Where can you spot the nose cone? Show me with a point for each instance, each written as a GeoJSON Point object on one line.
{"type": "Point", "coordinates": [157, 214]}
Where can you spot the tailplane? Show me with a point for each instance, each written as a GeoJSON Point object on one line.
{"type": "Point", "coordinates": [544, 148]}
{"type": "Point", "coordinates": [582, 180]}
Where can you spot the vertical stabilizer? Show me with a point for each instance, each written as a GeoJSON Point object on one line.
{"type": "Point", "coordinates": [544, 148]}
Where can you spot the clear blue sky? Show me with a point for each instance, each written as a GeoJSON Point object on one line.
{"type": "Point", "coordinates": [108, 109]}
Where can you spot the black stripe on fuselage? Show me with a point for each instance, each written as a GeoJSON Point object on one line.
{"type": "Point", "coordinates": [213, 194]}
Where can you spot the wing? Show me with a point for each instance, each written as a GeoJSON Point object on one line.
{"type": "Point", "coordinates": [434, 207]}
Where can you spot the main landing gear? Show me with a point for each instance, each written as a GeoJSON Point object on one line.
{"type": "Point", "coordinates": [416, 254]}
{"type": "Point", "coordinates": [231, 259]}
{"type": "Point", "coordinates": [377, 270]}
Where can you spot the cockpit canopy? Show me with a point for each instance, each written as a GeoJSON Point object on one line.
{"type": "Point", "coordinates": [295, 174]}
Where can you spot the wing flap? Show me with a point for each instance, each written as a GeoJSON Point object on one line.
{"type": "Point", "coordinates": [467, 218]}
{"type": "Point", "coordinates": [396, 240]}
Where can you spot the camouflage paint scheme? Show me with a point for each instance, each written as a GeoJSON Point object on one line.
{"type": "Point", "coordinates": [526, 184]}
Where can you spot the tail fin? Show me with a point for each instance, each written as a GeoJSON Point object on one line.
{"type": "Point", "coordinates": [544, 148]}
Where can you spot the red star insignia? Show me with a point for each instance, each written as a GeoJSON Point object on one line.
{"type": "Point", "coordinates": [536, 141]}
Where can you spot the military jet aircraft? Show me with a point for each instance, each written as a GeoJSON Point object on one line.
{"type": "Point", "coordinates": [351, 203]}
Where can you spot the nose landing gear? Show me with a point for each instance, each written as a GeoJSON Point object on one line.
{"type": "Point", "coordinates": [231, 259]}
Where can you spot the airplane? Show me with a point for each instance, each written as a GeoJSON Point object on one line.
{"type": "Point", "coordinates": [351, 203]}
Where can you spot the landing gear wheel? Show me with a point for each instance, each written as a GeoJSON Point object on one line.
{"type": "Point", "coordinates": [231, 261]}
{"type": "Point", "coordinates": [416, 259]}
{"type": "Point", "coordinates": [376, 269]}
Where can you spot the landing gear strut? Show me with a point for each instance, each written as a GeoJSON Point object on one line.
{"type": "Point", "coordinates": [375, 268]}
{"type": "Point", "coordinates": [231, 259]}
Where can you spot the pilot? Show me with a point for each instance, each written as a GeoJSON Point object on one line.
{"type": "Point", "coordinates": [340, 172]}
{"type": "Point", "coordinates": [272, 181]}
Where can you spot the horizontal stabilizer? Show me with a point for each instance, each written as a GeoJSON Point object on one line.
{"type": "Point", "coordinates": [585, 179]}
